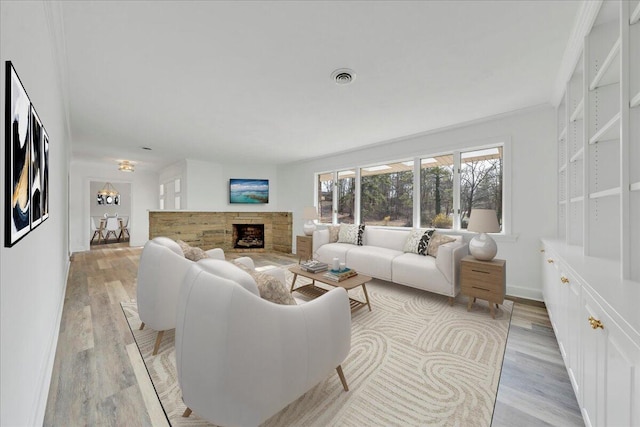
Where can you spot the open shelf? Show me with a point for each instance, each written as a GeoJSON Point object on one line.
{"type": "Point", "coordinates": [563, 134]}
{"type": "Point", "coordinates": [576, 199]}
{"type": "Point", "coordinates": [611, 130]}
{"type": "Point", "coordinates": [610, 71]}
{"type": "Point", "coordinates": [577, 156]}
{"type": "Point", "coordinates": [635, 101]}
{"type": "Point", "coordinates": [635, 15]}
{"type": "Point", "coordinates": [635, 186]}
{"type": "Point", "coordinates": [577, 113]}
{"type": "Point", "coordinates": [605, 193]}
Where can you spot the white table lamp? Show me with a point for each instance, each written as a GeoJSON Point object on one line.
{"type": "Point", "coordinates": [483, 221]}
{"type": "Point", "coordinates": [309, 215]}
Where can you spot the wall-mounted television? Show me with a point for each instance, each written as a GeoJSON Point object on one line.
{"type": "Point", "coordinates": [248, 190]}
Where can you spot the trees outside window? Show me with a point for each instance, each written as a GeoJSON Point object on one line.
{"type": "Point", "coordinates": [450, 186]}
{"type": "Point", "coordinates": [386, 194]}
{"type": "Point", "coordinates": [346, 196]}
{"type": "Point", "coordinates": [325, 198]}
{"type": "Point", "coordinates": [480, 182]}
{"type": "Point", "coordinates": [436, 191]}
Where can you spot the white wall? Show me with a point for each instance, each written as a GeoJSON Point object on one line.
{"type": "Point", "coordinates": [144, 197]}
{"type": "Point", "coordinates": [205, 185]}
{"type": "Point", "coordinates": [533, 172]}
{"type": "Point", "coordinates": [33, 272]}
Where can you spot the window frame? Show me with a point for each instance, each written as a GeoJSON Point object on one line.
{"type": "Point", "coordinates": [456, 151]}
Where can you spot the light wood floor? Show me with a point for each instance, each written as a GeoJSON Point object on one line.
{"type": "Point", "coordinates": [98, 379]}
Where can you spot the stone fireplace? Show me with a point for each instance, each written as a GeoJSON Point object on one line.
{"type": "Point", "coordinates": [248, 236]}
{"type": "Point", "coordinates": [209, 230]}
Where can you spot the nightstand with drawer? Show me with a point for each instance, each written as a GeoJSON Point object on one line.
{"type": "Point", "coordinates": [304, 248]}
{"type": "Point", "coordinates": [484, 280]}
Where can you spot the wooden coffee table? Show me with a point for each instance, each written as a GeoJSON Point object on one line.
{"type": "Point", "coordinates": [313, 291]}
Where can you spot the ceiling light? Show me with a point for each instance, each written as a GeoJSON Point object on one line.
{"type": "Point", "coordinates": [343, 76]}
{"type": "Point", "coordinates": [108, 190]}
{"type": "Point", "coordinates": [126, 166]}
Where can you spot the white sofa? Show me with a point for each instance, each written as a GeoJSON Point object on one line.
{"type": "Point", "coordinates": [240, 358]}
{"type": "Point", "coordinates": [382, 256]}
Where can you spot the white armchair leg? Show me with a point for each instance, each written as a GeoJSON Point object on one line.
{"type": "Point", "coordinates": [342, 378]}
{"type": "Point", "coordinates": [158, 341]}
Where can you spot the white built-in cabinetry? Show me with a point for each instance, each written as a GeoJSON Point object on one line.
{"type": "Point", "coordinates": [591, 271]}
{"type": "Point", "coordinates": [597, 324]}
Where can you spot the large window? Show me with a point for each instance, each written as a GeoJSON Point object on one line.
{"type": "Point", "coordinates": [386, 194]}
{"type": "Point", "coordinates": [346, 196]}
{"type": "Point", "coordinates": [325, 198]}
{"type": "Point", "coordinates": [436, 191]}
{"type": "Point", "coordinates": [440, 191]}
{"type": "Point", "coordinates": [480, 182]}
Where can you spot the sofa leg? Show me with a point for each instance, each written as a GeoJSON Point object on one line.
{"type": "Point", "coordinates": [186, 413]}
{"type": "Point", "coordinates": [451, 301]}
{"type": "Point", "coordinates": [342, 378]}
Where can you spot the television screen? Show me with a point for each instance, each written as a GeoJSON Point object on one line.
{"type": "Point", "coordinates": [248, 190]}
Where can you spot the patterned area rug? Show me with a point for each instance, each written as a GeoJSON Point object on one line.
{"type": "Point", "coordinates": [414, 360]}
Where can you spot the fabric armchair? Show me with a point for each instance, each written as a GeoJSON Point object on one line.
{"type": "Point", "coordinates": [160, 272]}
{"type": "Point", "coordinates": [241, 359]}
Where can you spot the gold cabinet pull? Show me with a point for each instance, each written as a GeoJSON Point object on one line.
{"type": "Point", "coordinates": [595, 323]}
{"type": "Point", "coordinates": [550, 261]}
{"type": "Point", "coordinates": [542, 250]}
{"type": "Point", "coordinates": [564, 279]}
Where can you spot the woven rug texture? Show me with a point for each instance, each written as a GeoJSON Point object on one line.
{"type": "Point", "coordinates": [414, 361]}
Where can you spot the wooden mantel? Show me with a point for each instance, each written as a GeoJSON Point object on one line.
{"type": "Point", "coordinates": [209, 230]}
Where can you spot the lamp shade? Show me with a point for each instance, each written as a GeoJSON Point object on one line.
{"type": "Point", "coordinates": [310, 213]}
{"type": "Point", "coordinates": [483, 221]}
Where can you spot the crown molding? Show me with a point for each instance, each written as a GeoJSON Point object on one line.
{"type": "Point", "coordinates": [55, 25]}
{"type": "Point", "coordinates": [584, 21]}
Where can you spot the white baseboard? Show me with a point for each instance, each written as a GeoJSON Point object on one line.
{"type": "Point", "coordinates": [40, 405]}
{"type": "Point", "coordinates": [522, 292]}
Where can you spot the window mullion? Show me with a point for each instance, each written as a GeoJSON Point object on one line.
{"type": "Point", "coordinates": [334, 208]}
{"type": "Point", "coordinates": [356, 202]}
{"type": "Point", "coordinates": [456, 190]}
{"type": "Point", "coordinates": [416, 192]}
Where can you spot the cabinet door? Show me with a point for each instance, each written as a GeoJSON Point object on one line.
{"type": "Point", "coordinates": [611, 370]}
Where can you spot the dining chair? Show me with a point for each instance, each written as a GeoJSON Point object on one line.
{"type": "Point", "coordinates": [97, 231]}
{"type": "Point", "coordinates": [112, 228]}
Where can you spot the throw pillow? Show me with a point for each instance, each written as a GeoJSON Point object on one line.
{"type": "Point", "coordinates": [191, 252]}
{"type": "Point", "coordinates": [351, 233]}
{"type": "Point", "coordinates": [270, 288]}
{"type": "Point", "coordinates": [435, 242]}
{"type": "Point", "coordinates": [333, 233]}
{"type": "Point", "coordinates": [418, 241]}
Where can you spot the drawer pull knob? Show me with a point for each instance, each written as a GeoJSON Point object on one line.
{"type": "Point", "coordinates": [564, 279]}
{"type": "Point", "coordinates": [542, 250]}
{"type": "Point", "coordinates": [595, 323]}
{"type": "Point", "coordinates": [550, 261]}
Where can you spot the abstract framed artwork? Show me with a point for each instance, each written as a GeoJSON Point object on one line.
{"type": "Point", "coordinates": [27, 162]}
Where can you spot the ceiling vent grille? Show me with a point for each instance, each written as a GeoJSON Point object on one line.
{"type": "Point", "coordinates": [343, 76]}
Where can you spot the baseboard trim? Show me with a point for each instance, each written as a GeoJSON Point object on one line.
{"type": "Point", "coordinates": [40, 405]}
{"type": "Point", "coordinates": [524, 293]}
{"type": "Point", "coordinates": [526, 301]}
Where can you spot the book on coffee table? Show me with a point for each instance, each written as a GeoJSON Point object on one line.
{"type": "Point", "coordinates": [314, 266]}
{"type": "Point", "coordinates": [339, 275]}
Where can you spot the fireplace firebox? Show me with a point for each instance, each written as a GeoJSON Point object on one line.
{"type": "Point", "coordinates": [248, 236]}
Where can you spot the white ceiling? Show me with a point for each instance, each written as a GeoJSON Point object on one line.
{"type": "Point", "coordinates": [250, 81]}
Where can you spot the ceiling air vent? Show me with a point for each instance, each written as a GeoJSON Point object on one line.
{"type": "Point", "coordinates": [343, 76]}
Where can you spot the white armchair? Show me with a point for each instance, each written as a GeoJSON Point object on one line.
{"type": "Point", "coordinates": [160, 272]}
{"type": "Point", "coordinates": [241, 359]}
